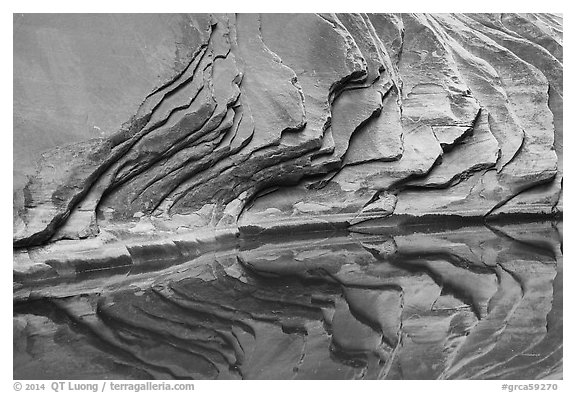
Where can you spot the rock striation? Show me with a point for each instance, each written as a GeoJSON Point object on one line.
{"type": "Point", "coordinates": [288, 196]}
{"type": "Point", "coordinates": [275, 121]}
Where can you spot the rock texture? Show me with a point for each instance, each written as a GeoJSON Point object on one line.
{"type": "Point", "coordinates": [83, 76]}
{"type": "Point", "coordinates": [273, 121]}
{"type": "Point", "coordinates": [307, 196]}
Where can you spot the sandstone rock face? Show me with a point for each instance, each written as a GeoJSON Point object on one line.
{"type": "Point", "coordinates": [319, 115]}
{"type": "Point", "coordinates": [82, 77]}
{"type": "Point", "coordinates": [185, 163]}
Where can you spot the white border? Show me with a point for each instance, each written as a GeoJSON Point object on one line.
{"type": "Point", "coordinates": [9, 7]}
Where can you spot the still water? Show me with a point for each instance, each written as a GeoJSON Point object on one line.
{"type": "Point", "coordinates": [459, 302]}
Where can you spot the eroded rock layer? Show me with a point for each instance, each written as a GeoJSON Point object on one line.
{"type": "Point", "coordinates": [275, 121]}
{"type": "Point", "coordinates": [289, 196]}
{"type": "Point", "coordinates": [458, 302]}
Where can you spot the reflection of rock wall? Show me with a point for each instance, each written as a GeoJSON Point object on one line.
{"type": "Point", "coordinates": [470, 302]}
{"type": "Point", "coordinates": [357, 116]}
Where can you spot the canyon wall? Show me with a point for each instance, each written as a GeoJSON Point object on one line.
{"type": "Point", "coordinates": [277, 122]}
{"type": "Point", "coordinates": [180, 182]}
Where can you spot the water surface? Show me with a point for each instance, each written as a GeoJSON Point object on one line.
{"type": "Point", "coordinates": [459, 302]}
